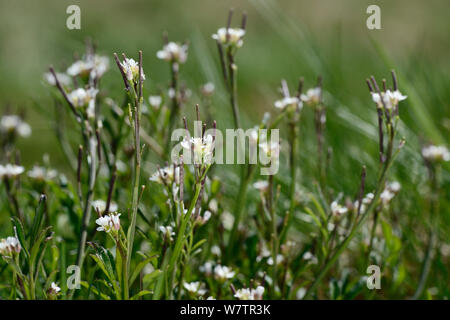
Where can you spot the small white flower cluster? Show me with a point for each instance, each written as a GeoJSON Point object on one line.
{"type": "Point", "coordinates": [173, 52]}
{"type": "Point", "coordinates": [194, 288]}
{"type": "Point", "coordinates": [389, 192]}
{"type": "Point", "coordinates": [167, 232]}
{"type": "Point", "coordinates": [230, 36]}
{"type": "Point", "coordinates": [131, 69]}
{"type": "Point", "coordinates": [9, 246]}
{"type": "Point", "coordinates": [390, 98]}
{"type": "Point", "coordinates": [10, 170]}
{"type": "Point", "coordinates": [82, 97]}
{"type": "Point", "coordinates": [436, 153]}
{"type": "Point", "coordinates": [312, 96]}
{"type": "Point", "coordinates": [42, 174]}
{"type": "Point", "coordinates": [14, 124]}
{"type": "Point", "coordinates": [93, 66]}
{"type": "Point", "coordinates": [109, 223]}
{"type": "Point", "coordinates": [288, 102]}
{"type": "Point", "coordinates": [250, 294]}
{"type": "Point", "coordinates": [205, 218]}
{"type": "Point", "coordinates": [202, 148]}
{"type": "Point", "coordinates": [364, 202]}
{"type": "Point", "coordinates": [63, 79]}
{"type": "Point", "coordinates": [338, 210]}
{"type": "Point", "coordinates": [166, 175]}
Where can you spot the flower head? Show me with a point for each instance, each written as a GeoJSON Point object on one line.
{"type": "Point", "coordinates": [207, 89]}
{"type": "Point", "coordinates": [100, 206]}
{"type": "Point", "coordinates": [250, 294]}
{"type": "Point", "coordinates": [42, 174]}
{"type": "Point", "coordinates": [436, 153]}
{"type": "Point", "coordinates": [92, 65]}
{"type": "Point", "coordinates": [202, 148]}
{"type": "Point", "coordinates": [390, 98]}
{"type": "Point", "coordinates": [337, 209]}
{"type": "Point", "coordinates": [223, 273]}
{"type": "Point", "coordinates": [312, 96]}
{"type": "Point", "coordinates": [288, 102]}
{"type": "Point", "coordinates": [10, 170]}
{"type": "Point", "coordinates": [109, 223]}
{"type": "Point", "coordinates": [14, 124]}
{"type": "Point", "coordinates": [166, 175]}
{"type": "Point", "coordinates": [230, 36]}
{"type": "Point", "coordinates": [167, 232]}
{"type": "Point", "coordinates": [63, 79]}
{"type": "Point", "coordinates": [131, 70]}
{"type": "Point", "coordinates": [173, 52]}
{"type": "Point", "coordinates": [194, 288]}
{"type": "Point", "coordinates": [9, 246]}
{"type": "Point", "coordinates": [155, 101]}
{"type": "Point", "coordinates": [81, 97]}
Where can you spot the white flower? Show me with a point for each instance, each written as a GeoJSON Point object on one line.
{"type": "Point", "coordinates": [287, 102]}
{"type": "Point", "coordinates": [337, 209]}
{"type": "Point", "coordinates": [100, 205]}
{"type": "Point", "coordinates": [10, 170]}
{"type": "Point", "coordinates": [194, 287]}
{"type": "Point", "coordinates": [206, 268]}
{"type": "Point", "coordinates": [223, 273]}
{"type": "Point", "coordinates": [173, 52]}
{"type": "Point", "coordinates": [167, 232]}
{"type": "Point", "coordinates": [394, 186]}
{"type": "Point", "coordinates": [131, 70]}
{"type": "Point", "coordinates": [206, 216]}
{"type": "Point", "coordinates": [42, 174]}
{"type": "Point", "coordinates": [63, 79]}
{"type": "Point", "coordinates": [386, 196]}
{"type": "Point", "coordinates": [365, 201]}
{"type": "Point", "coordinates": [312, 96]}
{"type": "Point", "coordinates": [155, 101]}
{"type": "Point", "coordinates": [280, 259]}
{"type": "Point", "coordinates": [93, 65]}
{"type": "Point", "coordinates": [55, 287]}
{"type": "Point", "coordinates": [390, 98]}
{"type": "Point", "coordinates": [108, 223]}
{"type": "Point", "coordinates": [250, 294]}
{"type": "Point", "coordinates": [215, 250]}
{"type": "Point", "coordinates": [308, 256]}
{"type": "Point", "coordinates": [14, 124]}
{"type": "Point", "coordinates": [436, 153]}
{"type": "Point", "coordinates": [166, 175]}
{"type": "Point", "coordinates": [81, 97]}
{"type": "Point", "coordinates": [261, 185]}
{"type": "Point", "coordinates": [208, 89]}
{"type": "Point", "coordinates": [201, 147]}
{"type": "Point", "coordinates": [227, 220]}
{"type": "Point", "coordinates": [300, 293]}
{"type": "Point", "coordinates": [271, 150]}
{"type": "Point", "coordinates": [9, 246]}
{"type": "Point", "coordinates": [210, 298]}
{"type": "Point", "coordinates": [231, 36]}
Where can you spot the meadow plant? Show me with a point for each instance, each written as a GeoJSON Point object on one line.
{"type": "Point", "coordinates": [136, 223]}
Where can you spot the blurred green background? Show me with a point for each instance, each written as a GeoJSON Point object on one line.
{"type": "Point", "coordinates": [285, 39]}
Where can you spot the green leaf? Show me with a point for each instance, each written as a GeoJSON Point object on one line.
{"type": "Point", "coordinates": [140, 294]}
{"type": "Point", "coordinates": [138, 269]}
{"type": "Point", "coordinates": [20, 235]}
{"type": "Point", "coordinates": [37, 221]}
